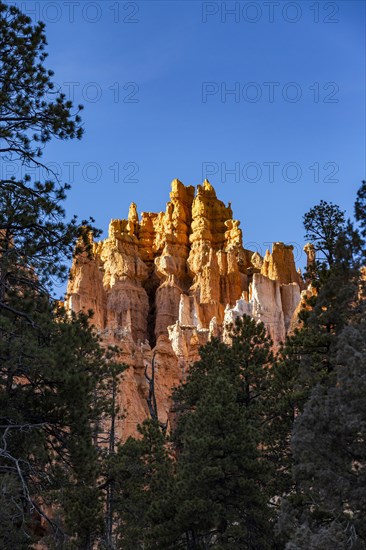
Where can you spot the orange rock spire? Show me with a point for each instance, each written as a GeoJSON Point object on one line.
{"type": "Point", "coordinates": [167, 282]}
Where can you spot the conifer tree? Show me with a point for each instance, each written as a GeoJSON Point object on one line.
{"type": "Point", "coordinates": [35, 238]}
{"type": "Point", "coordinates": [326, 510]}
{"type": "Point", "coordinates": [222, 477]}
{"type": "Point", "coordinates": [142, 473]}
{"type": "Point", "coordinates": [51, 363]}
{"type": "Point", "coordinates": [212, 482]}
{"type": "Point", "coordinates": [310, 351]}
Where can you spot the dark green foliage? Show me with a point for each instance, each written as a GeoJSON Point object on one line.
{"type": "Point", "coordinates": [49, 408]}
{"type": "Point", "coordinates": [33, 236]}
{"type": "Point", "coordinates": [335, 276]}
{"type": "Point", "coordinates": [141, 471]}
{"type": "Point", "coordinates": [222, 483]}
{"type": "Point", "coordinates": [330, 455]}
{"type": "Point", "coordinates": [32, 222]}
{"type": "Point", "coordinates": [323, 224]}
{"type": "Point", "coordinates": [360, 208]}
{"type": "Point", "coordinates": [360, 215]}
{"type": "Point", "coordinates": [221, 499]}
{"type": "Point", "coordinates": [52, 370]}
{"type": "Point", "coordinates": [29, 117]}
{"type": "Point", "coordinates": [326, 509]}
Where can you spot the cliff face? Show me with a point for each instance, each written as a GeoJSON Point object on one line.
{"type": "Point", "coordinates": [166, 283]}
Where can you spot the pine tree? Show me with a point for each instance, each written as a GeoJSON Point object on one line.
{"type": "Point", "coordinates": [360, 208]}
{"type": "Point", "coordinates": [212, 482]}
{"type": "Point", "coordinates": [222, 492]}
{"type": "Point", "coordinates": [52, 364]}
{"type": "Point", "coordinates": [329, 508]}
{"type": "Point", "coordinates": [324, 223]}
{"type": "Point", "coordinates": [107, 441]}
{"type": "Point", "coordinates": [142, 474]}
{"type": "Point", "coordinates": [34, 237]}
{"type": "Point", "coordinates": [49, 413]}
{"type": "Point", "coordinates": [310, 351]}
{"type": "Point", "coordinates": [360, 216]}
{"type": "Point", "coordinates": [325, 509]}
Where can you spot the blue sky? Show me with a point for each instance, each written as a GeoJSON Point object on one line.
{"type": "Point", "coordinates": [155, 81]}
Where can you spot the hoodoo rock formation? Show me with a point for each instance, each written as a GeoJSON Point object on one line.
{"type": "Point", "coordinates": [164, 284]}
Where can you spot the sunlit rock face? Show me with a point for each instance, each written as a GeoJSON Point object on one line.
{"type": "Point", "coordinates": [161, 285]}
